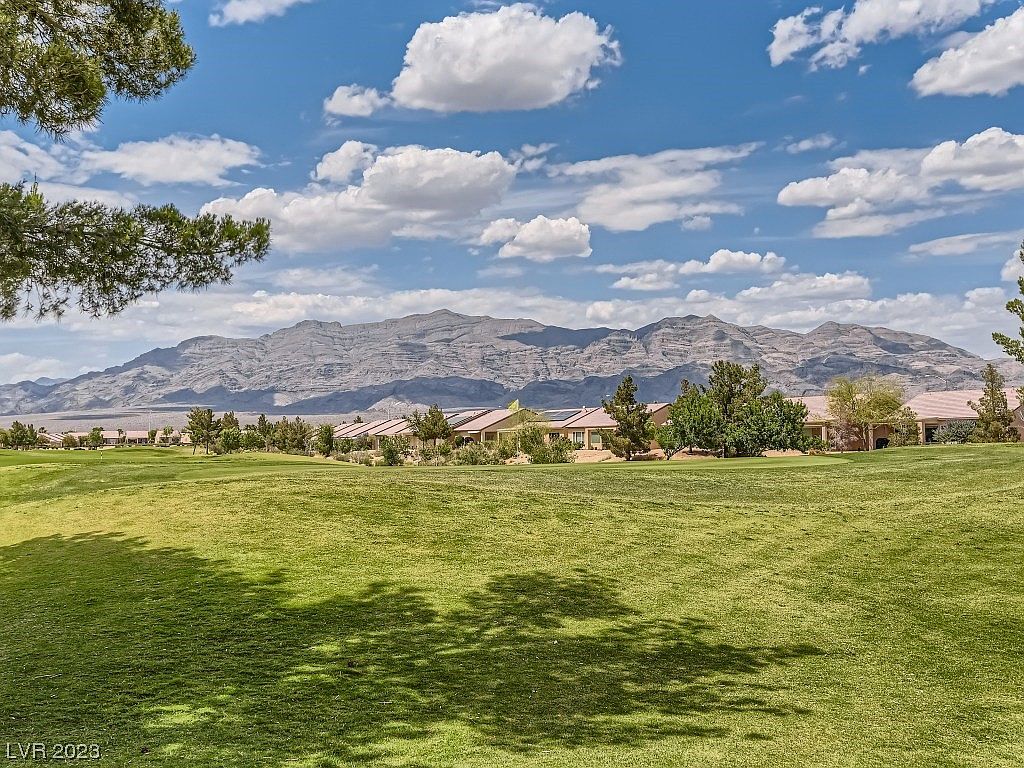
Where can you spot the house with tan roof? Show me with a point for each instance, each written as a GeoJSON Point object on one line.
{"type": "Point", "coordinates": [934, 409]}
{"type": "Point", "coordinates": [583, 426]}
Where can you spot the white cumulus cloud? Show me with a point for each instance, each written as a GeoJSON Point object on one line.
{"type": "Point", "coordinates": [173, 160]}
{"type": "Point", "coordinates": [838, 36]}
{"type": "Point", "coordinates": [661, 274]}
{"type": "Point", "coordinates": [627, 193]}
{"type": "Point", "coordinates": [246, 11]}
{"type": "Point", "coordinates": [402, 192]}
{"type": "Point", "coordinates": [990, 62]}
{"type": "Point", "coordinates": [355, 101]}
{"type": "Point", "coordinates": [540, 240]}
{"type": "Point", "coordinates": [513, 58]}
{"type": "Point", "coordinates": [879, 192]}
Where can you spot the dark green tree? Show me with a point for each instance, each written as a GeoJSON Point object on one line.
{"type": "Point", "coordinates": [694, 421]}
{"type": "Point", "coordinates": [22, 436]}
{"type": "Point", "coordinates": [229, 420]}
{"type": "Point", "coordinates": [104, 259]}
{"type": "Point", "coordinates": [395, 450]}
{"type": "Point", "coordinates": [905, 431]}
{"type": "Point", "coordinates": [995, 419]}
{"type": "Point", "coordinates": [251, 439]}
{"type": "Point", "coordinates": [265, 429]}
{"type": "Point", "coordinates": [203, 428]}
{"type": "Point", "coordinates": [60, 63]}
{"type": "Point", "coordinates": [61, 60]}
{"type": "Point", "coordinates": [432, 425]}
{"type": "Point", "coordinates": [324, 443]}
{"type": "Point", "coordinates": [1015, 347]}
{"type": "Point", "coordinates": [95, 437]}
{"type": "Point", "coordinates": [731, 387]}
{"type": "Point", "coordinates": [634, 429]}
{"type": "Point", "coordinates": [955, 432]}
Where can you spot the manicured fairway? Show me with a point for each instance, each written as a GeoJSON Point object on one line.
{"type": "Point", "coordinates": [271, 611]}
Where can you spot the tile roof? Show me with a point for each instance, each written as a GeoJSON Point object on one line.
{"type": "Point", "coordinates": [954, 404]}
{"type": "Point", "coordinates": [596, 418]}
{"type": "Point", "coordinates": [485, 420]}
{"type": "Point", "coordinates": [817, 407]}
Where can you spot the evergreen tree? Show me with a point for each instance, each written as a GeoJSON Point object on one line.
{"type": "Point", "coordinates": [229, 421]}
{"type": "Point", "coordinates": [995, 420]}
{"type": "Point", "coordinates": [432, 426]}
{"type": "Point", "coordinates": [695, 420]}
{"type": "Point", "coordinates": [95, 437]}
{"type": "Point", "coordinates": [905, 431]}
{"type": "Point", "coordinates": [203, 428]}
{"type": "Point", "coordinates": [60, 63]}
{"type": "Point", "coordinates": [324, 443]}
{"type": "Point", "coordinates": [22, 436]}
{"type": "Point", "coordinates": [635, 429]}
{"type": "Point", "coordinates": [1015, 347]}
{"type": "Point", "coordinates": [266, 431]}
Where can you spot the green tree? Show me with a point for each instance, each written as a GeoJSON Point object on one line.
{"type": "Point", "coordinates": [152, 436]}
{"type": "Point", "coordinates": [995, 419]}
{"type": "Point", "coordinates": [60, 63]}
{"type": "Point", "coordinates": [22, 436]}
{"type": "Point", "coordinates": [203, 428]}
{"type": "Point", "coordinates": [856, 405]}
{"type": "Point", "coordinates": [432, 425]}
{"type": "Point", "coordinates": [265, 429]}
{"type": "Point", "coordinates": [229, 440]}
{"type": "Point", "coordinates": [1015, 347]}
{"type": "Point", "coordinates": [395, 450]}
{"type": "Point", "coordinates": [731, 387]}
{"type": "Point", "coordinates": [293, 436]}
{"type": "Point", "coordinates": [251, 439]}
{"type": "Point", "coordinates": [694, 421]}
{"type": "Point", "coordinates": [95, 437]}
{"type": "Point", "coordinates": [105, 259]}
{"type": "Point", "coordinates": [5, 439]}
{"type": "Point", "coordinates": [770, 422]}
{"type": "Point", "coordinates": [905, 431]}
{"type": "Point", "coordinates": [229, 420]}
{"type": "Point", "coordinates": [69, 441]}
{"type": "Point", "coordinates": [634, 429]}
{"type": "Point", "coordinates": [324, 443]}
{"type": "Point", "coordinates": [167, 432]}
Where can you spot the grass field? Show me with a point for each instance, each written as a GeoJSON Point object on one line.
{"type": "Point", "coordinates": [269, 611]}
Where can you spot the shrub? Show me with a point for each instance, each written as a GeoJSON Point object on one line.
{"type": "Point", "coordinates": [955, 432]}
{"type": "Point", "coordinates": [505, 450]}
{"type": "Point", "coordinates": [477, 454]}
{"type": "Point", "coordinates": [395, 450]}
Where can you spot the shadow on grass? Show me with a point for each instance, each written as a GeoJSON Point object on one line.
{"type": "Point", "coordinates": [159, 652]}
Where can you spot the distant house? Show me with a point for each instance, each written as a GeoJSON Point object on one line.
{"type": "Point", "coordinates": [934, 409]}
{"type": "Point", "coordinates": [583, 426]}
{"type": "Point", "coordinates": [111, 437]}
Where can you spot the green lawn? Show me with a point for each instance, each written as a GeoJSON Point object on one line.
{"type": "Point", "coordinates": [255, 610]}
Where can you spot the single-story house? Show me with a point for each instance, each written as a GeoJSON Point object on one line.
{"type": "Point", "coordinates": [111, 437]}
{"type": "Point", "coordinates": [934, 409]}
{"type": "Point", "coordinates": [583, 426]}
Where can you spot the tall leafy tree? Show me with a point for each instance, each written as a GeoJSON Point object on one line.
{"type": "Point", "coordinates": [61, 61]}
{"type": "Point", "coordinates": [1015, 347]}
{"type": "Point", "coordinates": [324, 443]}
{"type": "Point", "coordinates": [694, 421]}
{"type": "Point", "coordinates": [23, 436]}
{"type": "Point", "coordinates": [265, 429]}
{"type": "Point", "coordinates": [203, 428]}
{"type": "Point", "coordinates": [634, 429]}
{"type": "Point", "coordinates": [432, 425]}
{"type": "Point", "coordinates": [95, 437]}
{"type": "Point", "coordinates": [855, 405]}
{"type": "Point", "coordinates": [995, 419]}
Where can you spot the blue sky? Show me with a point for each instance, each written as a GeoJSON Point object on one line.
{"type": "Point", "coordinates": [581, 163]}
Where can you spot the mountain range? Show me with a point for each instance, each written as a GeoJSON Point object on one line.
{"type": "Point", "coordinates": [453, 360]}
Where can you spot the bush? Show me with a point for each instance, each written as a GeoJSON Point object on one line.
{"type": "Point", "coordinates": [955, 432]}
{"type": "Point", "coordinates": [477, 454]}
{"type": "Point", "coordinates": [395, 450]}
{"type": "Point", "coordinates": [505, 450]}
{"type": "Point", "coordinates": [561, 450]}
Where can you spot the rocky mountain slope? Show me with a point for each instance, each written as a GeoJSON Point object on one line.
{"type": "Point", "coordinates": [452, 359]}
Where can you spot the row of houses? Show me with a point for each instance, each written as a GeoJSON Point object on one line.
{"type": "Point", "coordinates": [113, 438]}
{"type": "Point", "coordinates": [582, 426]}
{"type": "Point", "coordinates": [933, 409]}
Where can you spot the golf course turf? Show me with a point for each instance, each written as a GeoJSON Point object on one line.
{"type": "Point", "coordinates": [257, 610]}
